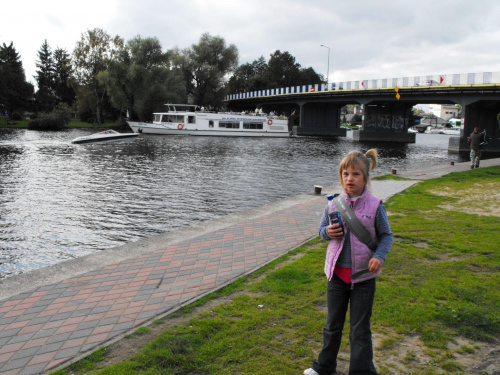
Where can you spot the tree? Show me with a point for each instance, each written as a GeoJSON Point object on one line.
{"type": "Point", "coordinates": [308, 76]}
{"type": "Point", "coordinates": [63, 77]}
{"type": "Point", "coordinates": [205, 67]}
{"type": "Point", "coordinates": [282, 70]}
{"type": "Point", "coordinates": [249, 77]}
{"type": "Point", "coordinates": [45, 96]}
{"type": "Point", "coordinates": [14, 90]}
{"type": "Point", "coordinates": [90, 57]}
{"type": "Point", "coordinates": [139, 79]}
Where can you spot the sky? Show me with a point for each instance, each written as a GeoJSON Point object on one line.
{"type": "Point", "coordinates": [366, 39]}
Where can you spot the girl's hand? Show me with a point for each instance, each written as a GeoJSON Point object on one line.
{"type": "Point", "coordinates": [374, 265]}
{"type": "Point", "coordinates": [335, 231]}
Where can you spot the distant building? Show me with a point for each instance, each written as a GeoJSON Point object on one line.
{"type": "Point", "coordinates": [445, 111]}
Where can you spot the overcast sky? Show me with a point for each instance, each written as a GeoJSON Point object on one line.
{"type": "Point", "coordinates": [367, 38]}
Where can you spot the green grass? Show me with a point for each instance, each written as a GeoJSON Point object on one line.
{"type": "Point", "coordinates": [390, 177]}
{"type": "Point", "coordinates": [440, 281]}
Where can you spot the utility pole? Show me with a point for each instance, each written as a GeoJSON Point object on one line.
{"type": "Point", "coordinates": [328, 67]}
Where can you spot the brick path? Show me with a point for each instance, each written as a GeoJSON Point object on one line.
{"type": "Point", "coordinates": [53, 324]}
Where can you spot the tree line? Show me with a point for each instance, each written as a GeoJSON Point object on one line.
{"type": "Point", "coordinates": [107, 78]}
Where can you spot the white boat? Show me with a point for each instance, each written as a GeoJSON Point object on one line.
{"type": "Point", "coordinates": [451, 131]}
{"type": "Point", "coordinates": [105, 136]}
{"type": "Point", "coordinates": [184, 119]}
{"type": "Point", "coordinates": [434, 130]}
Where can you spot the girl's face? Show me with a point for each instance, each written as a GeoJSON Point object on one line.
{"type": "Point", "coordinates": [353, 181]}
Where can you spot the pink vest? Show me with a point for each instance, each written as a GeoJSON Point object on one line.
{"type": "Point", "coordinates": [365, 210]}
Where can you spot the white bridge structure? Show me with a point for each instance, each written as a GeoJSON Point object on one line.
{"type": "Point", "coordinates": [430, 81]}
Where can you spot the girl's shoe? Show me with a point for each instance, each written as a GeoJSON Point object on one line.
{"type": "Point", "coordinates": [310, 371]}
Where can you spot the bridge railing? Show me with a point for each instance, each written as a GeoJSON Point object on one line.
{"type": "Point", "coordinates": [464, 79]}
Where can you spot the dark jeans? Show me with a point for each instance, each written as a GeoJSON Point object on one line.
{"type": "Point", "coordinates": [339, 294]}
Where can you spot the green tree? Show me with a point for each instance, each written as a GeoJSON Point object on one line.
{"type": "Point", "coordinates": [140, 79]}
{"type": "Point", "coordinates": [63, 77]}
{"type": "Point", "coordinates": [282, 70]}
{"type": "Point", "coordinates": [205, 67]}
{"type": "Point", "coordinates": [249, 77]}
{"type": "Point", "coordinates": [90, 57]}
{"type": "Point", "coordinates": [308, 76]}
{"type": "Point", "coordinates": [45, 96]}
{"type": "Point", "coordinates": [14, 90]}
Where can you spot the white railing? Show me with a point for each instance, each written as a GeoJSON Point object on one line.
{"type": "Point", "coordinates": [466, 79]}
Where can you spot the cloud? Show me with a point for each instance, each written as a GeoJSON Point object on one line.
{"type": "Point", "coordinates": [367, 39]}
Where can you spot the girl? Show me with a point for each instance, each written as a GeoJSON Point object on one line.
{"type": "Point", "coordinates": [346, 255]}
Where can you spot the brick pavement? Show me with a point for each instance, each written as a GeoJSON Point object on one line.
{"type": "Point", "coordinates": [55, 324]}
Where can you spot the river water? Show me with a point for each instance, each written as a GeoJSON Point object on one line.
{"type": "Point", "coordinates": [60, 201]}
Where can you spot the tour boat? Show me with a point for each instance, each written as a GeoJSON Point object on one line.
{"type": "Point", "coordinates": [184, 119]}
{"type": "Point", "coordinates": [105, 136]}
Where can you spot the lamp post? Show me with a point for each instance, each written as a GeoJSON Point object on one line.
{"type": "Point", "coordinates": [328, 68]}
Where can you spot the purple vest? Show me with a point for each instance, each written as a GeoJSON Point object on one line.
{"type": "Point", "coordinates": [365, 209]}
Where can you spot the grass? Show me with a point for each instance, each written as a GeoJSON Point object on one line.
{"type": "Point", "coordinates": [439, 282]}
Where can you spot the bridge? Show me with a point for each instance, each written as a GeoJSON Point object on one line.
{"type": "Point", "coordinates": [386, 103]}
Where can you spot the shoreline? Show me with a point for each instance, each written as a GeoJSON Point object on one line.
{"type": "Point", "coordinates": [21, 283]}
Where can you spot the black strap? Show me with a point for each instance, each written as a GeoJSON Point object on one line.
{"type": "Point", "coordinates": [353, 222]}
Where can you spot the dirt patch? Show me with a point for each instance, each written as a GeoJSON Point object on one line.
{"type": "Point", "coordinates": [480, 199]}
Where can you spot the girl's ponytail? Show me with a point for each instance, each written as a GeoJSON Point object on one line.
{"type": "Point", "coordinates": [373, 156]}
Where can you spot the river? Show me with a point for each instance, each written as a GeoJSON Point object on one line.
{"type": "Point", "coordinates": [60, 201]}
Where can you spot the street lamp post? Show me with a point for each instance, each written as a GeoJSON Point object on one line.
{"type": "Point", "coordinates": [328, 68]}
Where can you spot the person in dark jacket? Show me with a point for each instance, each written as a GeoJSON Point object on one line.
{"type": "Point", "coordinates": [475, 140]}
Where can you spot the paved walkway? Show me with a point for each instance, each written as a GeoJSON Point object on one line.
{"type": "Point", "coordinates": [54, 316]}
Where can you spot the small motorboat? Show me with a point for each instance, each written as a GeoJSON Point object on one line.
{"type": "Point", "coordinates": [105, 136]}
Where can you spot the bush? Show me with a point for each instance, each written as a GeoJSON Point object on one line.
{"type": "Point", "coordinates": [16, 116]}
{"type": "Point", "coordinates": [356, 120]}
{"type": "Point", "coordinates": [86, 116]}
{"type": "Point", "coordinates": [123, 125]}
{"type": "Point", "coordinates": [55, 120]}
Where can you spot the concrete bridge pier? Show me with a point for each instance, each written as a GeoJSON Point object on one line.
{"type": "Point", "coordinates": [482, 114]}
{"type": "Point", "coordinates": [320, 119]}
{"type": "Point", "coordinates": [385, 122]}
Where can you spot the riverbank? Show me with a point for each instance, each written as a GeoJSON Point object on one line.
{"type": "Point", "coordinates": [56, 323]}
{"type": "Point", "coordinates": [74, 124]}
{"type": "Point", "coordinates": [435, 311]}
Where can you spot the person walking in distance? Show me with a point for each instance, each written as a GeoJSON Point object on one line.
{"type": "Point", "coordinates": [475, 140]}
{"type": "Point", "coordinates": [351, 267]}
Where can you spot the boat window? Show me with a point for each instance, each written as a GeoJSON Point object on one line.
{"type": "Point", "coordinates": [157, 118]}
{"type": "Point", "coordinates": [253, 125]}
{"type": "Point", "coordinates": [229, 124]}
{"type": "Point", "coordinates": [173, 118]}
{"type": "Point", "coordinates": [210, 124]}
{"type": "Point", "coordinates": [191, 119]}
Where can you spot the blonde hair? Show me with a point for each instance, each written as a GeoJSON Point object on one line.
{"type": "Point", "coordinates": [361, 161]}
